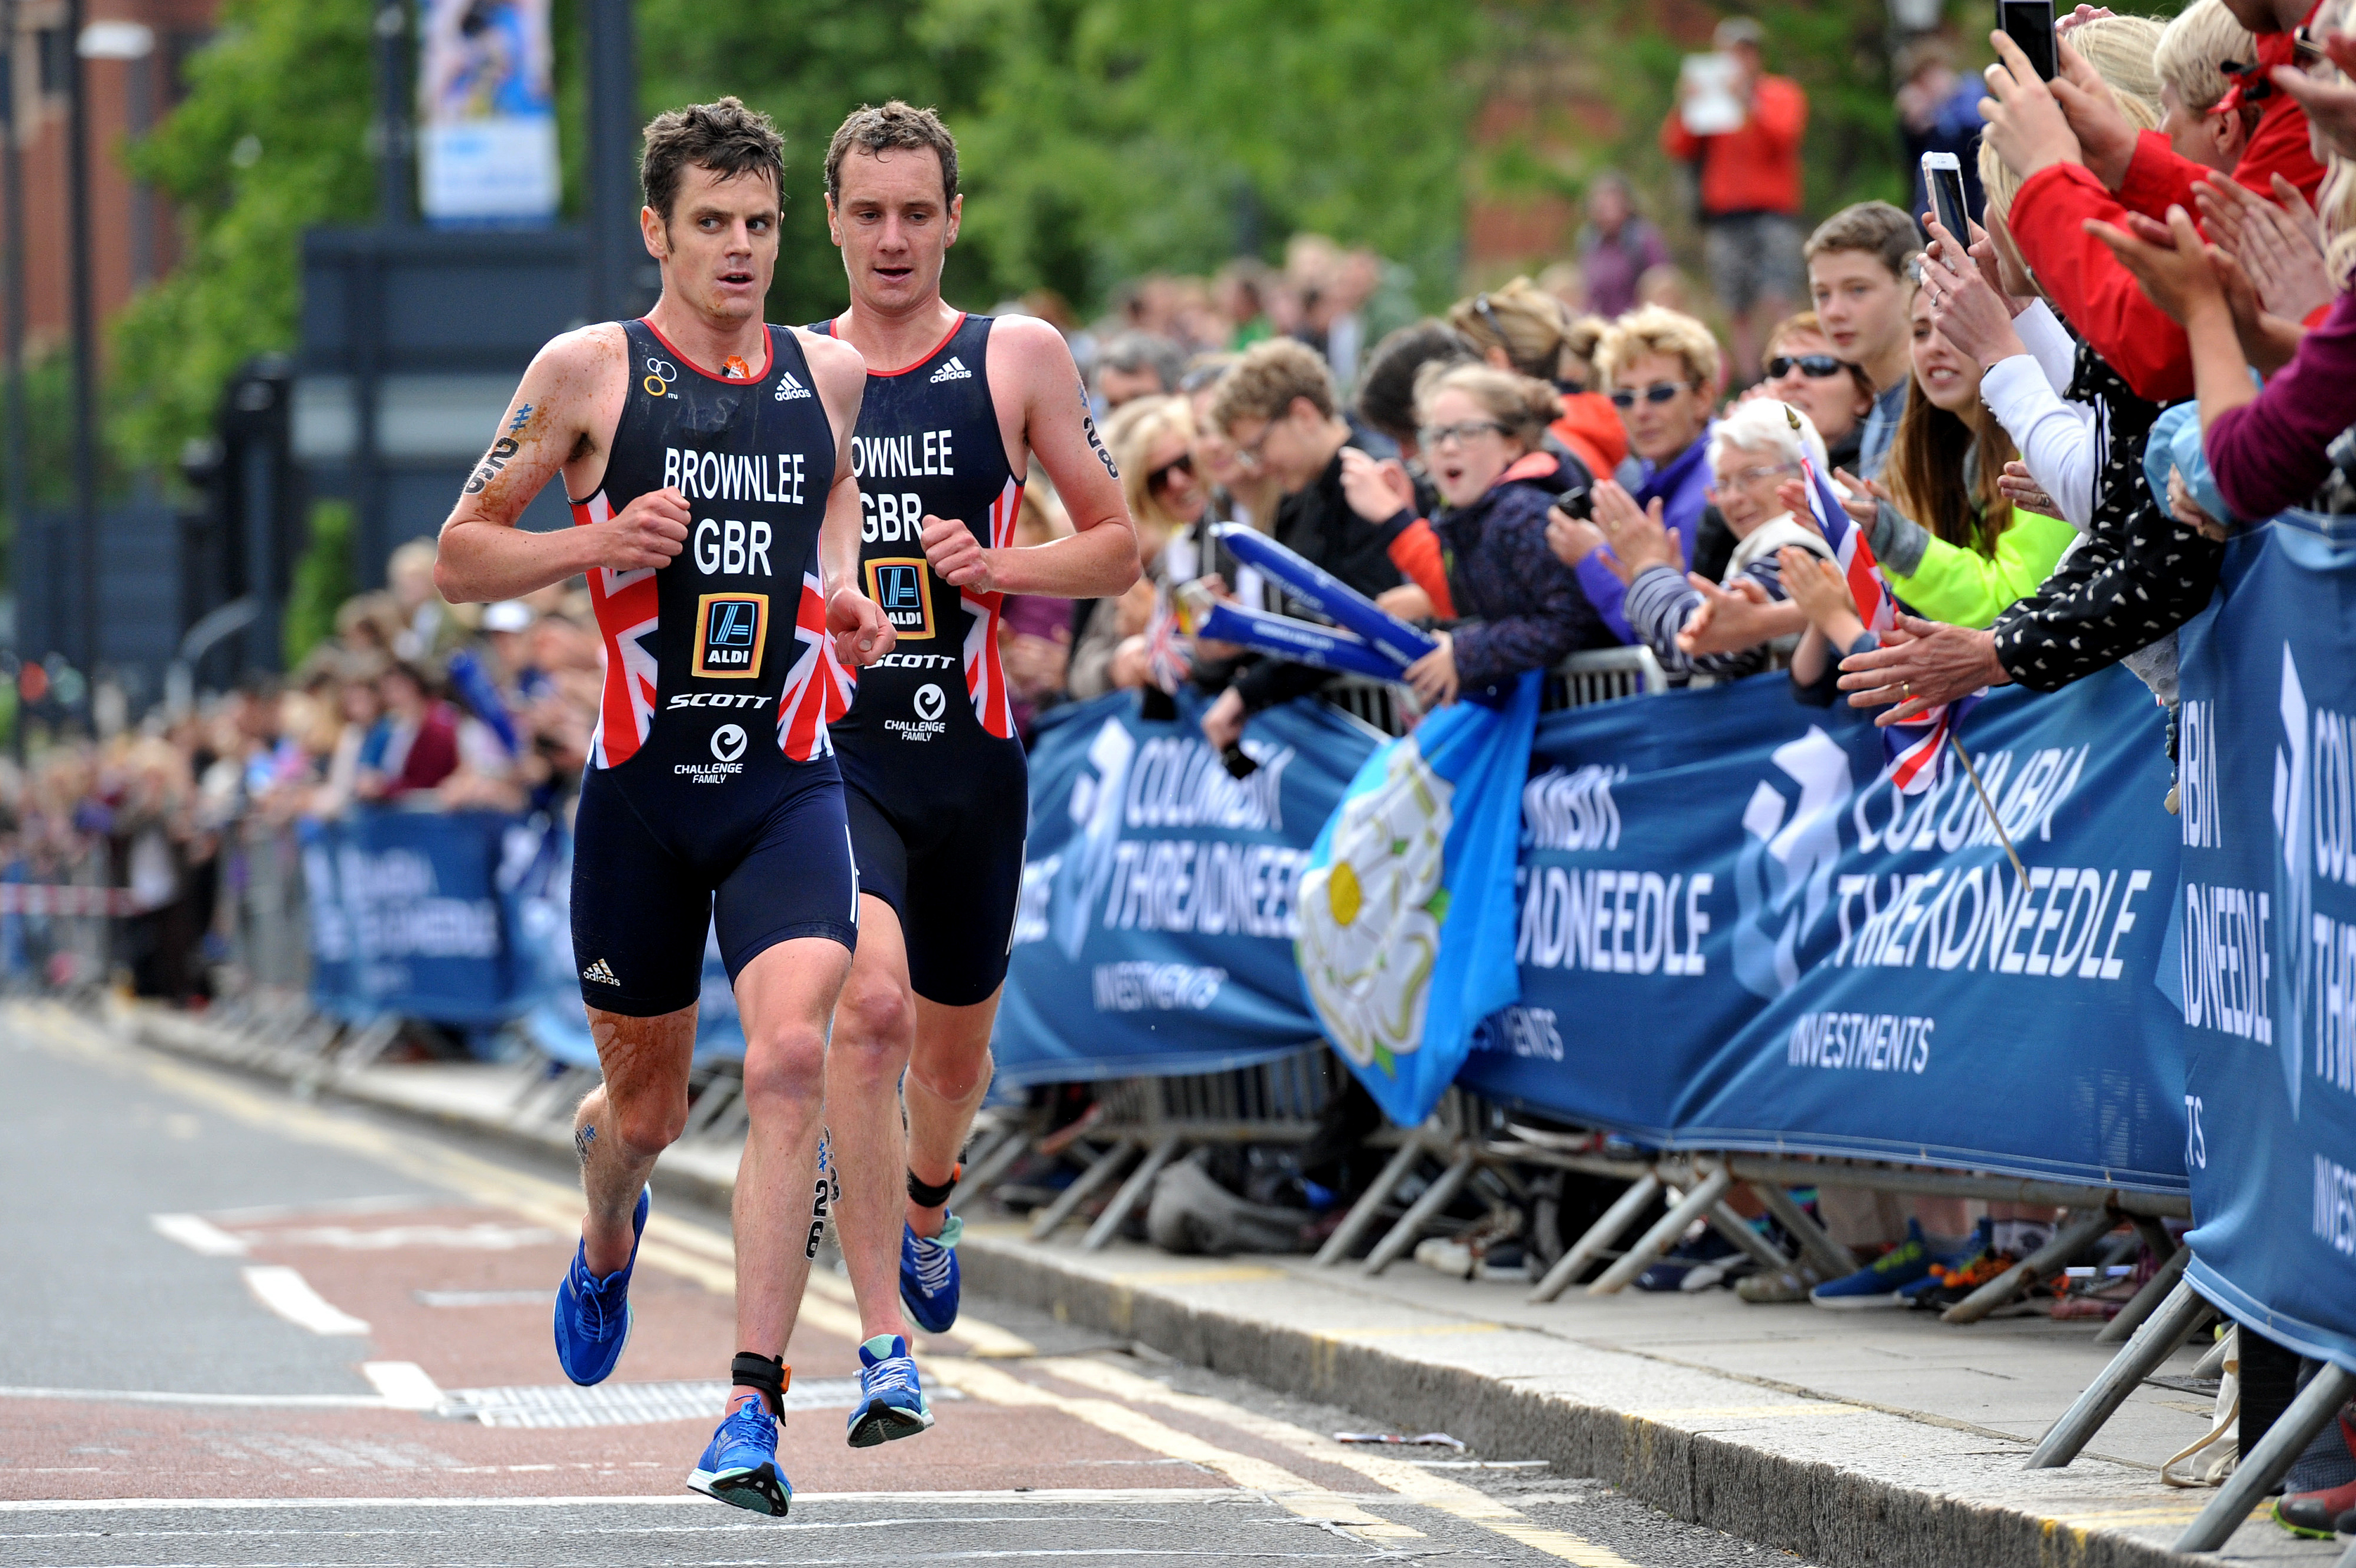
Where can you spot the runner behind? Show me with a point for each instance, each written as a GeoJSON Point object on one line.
{"type": "Point", "coordinates": [956, 407]}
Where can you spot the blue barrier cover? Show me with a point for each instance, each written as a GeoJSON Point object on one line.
{"type": "Point", "coordinates": [1156, 926]}
{"type": "Point", "coordinates": [1736, 935]}
{"type": "Point", "coordinates": [2266, 945]}
{"type": "Point", "coordinates": [414, 913]}
{"type": "Point", "coordinates": [1406, 911]}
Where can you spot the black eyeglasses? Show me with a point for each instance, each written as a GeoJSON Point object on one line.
{"type": "Point", "coordinates": [1432, 435]}
{"type": "Point", "coordinates": [1659, 392]}
{"type": "Point", "coordinates": [1159, 479]}
{"type": "Point", "coordinates": [1817, 366]}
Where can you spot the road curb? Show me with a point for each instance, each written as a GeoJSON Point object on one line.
{"type": "Point", "coordinates": [1831, 1514]}
{"type": "Point", "coordinates": [1833, 1517]}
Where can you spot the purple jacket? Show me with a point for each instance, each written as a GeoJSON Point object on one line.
{"type": "Point", "coordinates": [1527, 604]}
{"type": "Point", "coordinates": [2269, 454]}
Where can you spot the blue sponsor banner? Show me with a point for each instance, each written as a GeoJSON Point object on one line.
{"type": "Point", "coordinates": [1158, 913]}
{"type": "Point", "coordinates": [1735, 934]}
{"type": "Point", "coordinates": [415, 913]}
{"type": "Point", "coordinates": [2265, 959]}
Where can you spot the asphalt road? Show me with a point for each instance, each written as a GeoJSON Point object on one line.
{"type": "Point", "coordinates": [241, 1329]}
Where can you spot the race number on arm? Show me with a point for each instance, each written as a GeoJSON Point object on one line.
{"type": "Point", "coordinates": [1028, 362]}
{"type": "Point", "coordinates": [561, 419]}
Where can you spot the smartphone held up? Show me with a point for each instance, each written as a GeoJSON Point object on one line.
{"type": "Point", "coordinates": [2029, 23]}
{"type": "Point", "coordinates": [1943, 176]}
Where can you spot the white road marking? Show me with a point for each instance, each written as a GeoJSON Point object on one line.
{"type": "Point", "coordinates": [198, 1234]}
{"type": "Point", "coordinates": [660, 1499]}
{"type": "Point", "coordinates": [161, 1396]}
{"type": "Point", "coordinates": [484, 1297]}
{"type": "Point", "coordinates": [287, 1292]}
{"type": "Point", "coordinates": [484, 1237]}
{"type": "Point", "coordinates": [404, 1384]}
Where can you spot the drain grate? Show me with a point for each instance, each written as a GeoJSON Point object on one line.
{"type": "Point", "coordinates": [631, 1404]}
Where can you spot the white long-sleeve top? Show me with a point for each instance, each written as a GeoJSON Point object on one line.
{"type": "Point", "coordinates": [2061, 442]}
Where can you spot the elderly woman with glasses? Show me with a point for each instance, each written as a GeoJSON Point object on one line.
{"type": "Point", "coordinates": [1752, 453]}
{"type": "Point", "coordinates": [1661, 369]}
{"type": "Point", "coordinates": [1483, 432]}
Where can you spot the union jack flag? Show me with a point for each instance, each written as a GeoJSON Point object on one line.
{"type": "Point", "coordinates": [1916, 750]}
{"type": "Point", "coordinates": [1168, 659]}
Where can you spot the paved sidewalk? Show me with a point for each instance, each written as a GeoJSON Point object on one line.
{"type": "Point", "coordinates": [1877, 1439]}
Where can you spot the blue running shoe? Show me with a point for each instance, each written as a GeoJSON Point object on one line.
{"type": "Point", "coordinates": [928, 1275]}
{"type": "Point", "coordinates": [593, 1315]}
{"type": "Point", "coordinates": [891, 1401]}
{"type": "Point", "coordinates": [1882, 1282]}
{"type": "Point", "coordinates": [740, 1464]}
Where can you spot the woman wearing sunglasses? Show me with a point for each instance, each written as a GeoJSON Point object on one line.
{"type": "Point", "coordinates": [1152, 440]}
{"type": "Point", "coordinates": [1483, 433]}
{"type": "Point", "coordinates": [1662, 370]}
{"type": "Point", "coordinates": [1835, 395]}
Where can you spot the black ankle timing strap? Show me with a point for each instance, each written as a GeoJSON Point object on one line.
{"type": "Point", "coordinates": [751, 1369]}
{"type": "Point", "coordinates": [928, 1195]}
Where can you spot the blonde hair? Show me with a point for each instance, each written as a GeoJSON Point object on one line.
{"type": "Point", "coordinates": [1656, 329]}
{"type": "Point", "coordinates": [2122, 49]}
{"type": "Point", "coordinates": [1523, 404]}
{"type": "Point", "coordinates": [1523, 319]}
{"type": "Point", "coordinates": [1133, 441]}
{"type": "Point", "coordinates": [2195, 44]}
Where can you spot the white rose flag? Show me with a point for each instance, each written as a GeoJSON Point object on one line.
{"type": "Point", "coordinates": [1407, 909]}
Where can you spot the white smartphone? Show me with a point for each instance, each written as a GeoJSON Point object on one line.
{"type": "Point", "coordinates": [1942, 176]}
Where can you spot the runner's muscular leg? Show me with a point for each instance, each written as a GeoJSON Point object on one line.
{"type": "Point", "coordinates": [624, 1123]}
{"type": "Point", "coordinates": [948, 1073]}
{"type": "Point", "coordinates": [874, 1027]}
{"type": "Point", "coordinates": [783, 995]}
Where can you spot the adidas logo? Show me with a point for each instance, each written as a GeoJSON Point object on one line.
{"type": "Point", "coordinates": [599, 971]}
{"type": "Point", "coordinates": [954, 371]}
{"type": "Point", "coordinates": [789, 388]}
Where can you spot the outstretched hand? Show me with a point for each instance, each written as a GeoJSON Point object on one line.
{"type": "Point", "coordinates": [2026, 125]}
{"type": "Point", "coordinates": [1919, 665]}
{"type": "Point", "coordinates": [1975, 317]}
{"type": "Point", "coordinates": [1639, 540]}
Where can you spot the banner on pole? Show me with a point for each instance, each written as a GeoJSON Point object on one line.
{"type": "Point", "coordinates": [1160, 894]}
{"type": "Point", "coordinates": [2264, 937]}
{"type": "Point", "coordinates": [486, 113]}
{"type": "Point", "coordinates": [1737, 933]}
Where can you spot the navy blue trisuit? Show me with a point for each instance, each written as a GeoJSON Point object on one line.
{"type": "Point", "coordinates": [711, 792]}
{"type": "Point", "coordinates": [933, 773]}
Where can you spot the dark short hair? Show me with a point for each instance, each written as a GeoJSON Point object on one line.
{"type": "Point", "coordinates": [725, 137]}
{"type": "Point", "coordinates": [1129, 352]}
{"type": "Point", "coordinates": [878, 131]}
{"type": "Point", "coordinates": [1386, 385]}
{"type": "Point", "coordinates": [1874, 227]}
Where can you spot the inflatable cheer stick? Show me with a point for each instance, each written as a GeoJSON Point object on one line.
{"type": "Point", "coordinates": [1326, 594]}
{"type": "Point", "coordinates": [1304, 642]}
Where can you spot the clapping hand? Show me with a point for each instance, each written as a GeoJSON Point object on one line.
{"type": "Point", "coordinates": [2180, 277]}
{"type": "Point", "coordinates": [1639, 542]}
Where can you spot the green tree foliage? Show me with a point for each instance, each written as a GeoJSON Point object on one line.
{"type": "Point", "coordinates": [271, 139]}
{"type": "Point", "coordinates": [323, 579]}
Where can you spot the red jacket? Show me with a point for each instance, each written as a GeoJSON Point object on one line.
{"type": "Point", "coordinates": [1590, 427]}
{"type": "Point", "coordinates": [1755, 167]}
{"type": "Point", "coordinates": [2097, 295]}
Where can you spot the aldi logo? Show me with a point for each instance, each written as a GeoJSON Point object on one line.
{"type": "Point", "coordinates": [903, 590]}
{"type": "Point", "coordinates": [728, 635]}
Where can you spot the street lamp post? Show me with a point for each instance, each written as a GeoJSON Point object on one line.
{"type": "Point", "coordinates": [85, 335]}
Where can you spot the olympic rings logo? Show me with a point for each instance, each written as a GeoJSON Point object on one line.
{"type": "Point", "coordinates": [660, 373]}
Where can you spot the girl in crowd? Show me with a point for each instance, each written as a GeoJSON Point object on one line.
{"type": "Point", "coordinates": [1481, 433]}
{"type": "Point", "coordinates": [1152, 441]}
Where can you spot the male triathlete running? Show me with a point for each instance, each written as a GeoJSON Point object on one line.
{"type": "Point", "coordinates": [718, 525]}
{"type": "Point", "coordinates": [933, 775]}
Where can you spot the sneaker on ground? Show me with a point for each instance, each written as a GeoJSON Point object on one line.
{"type": "Point", "coordinates": [928, 1275]}
{"type": "Point", "coordinates": [1880, 1281]}
{"type": "Point", "coordinates": [2318, 1515]}
{"type": "Point", "coordinates": [1789, 1284]}
{"type": "Point", "coordinates": [892, 1401]}
{"type": "Point", "coordinates": [1670, 1273]}
{"type": "Point", "coordinates": [592, 1315]}
{"type": "Point", "coordinates": [2318, 1511]}
{"type": "Point", "coordinates": [740, 1464]}
{"type": "Point", "coordinates": [1952, 1278]}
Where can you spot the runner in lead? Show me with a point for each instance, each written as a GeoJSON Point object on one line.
{"type": "Point", "coordinates": [718, 525]}
{"type": "Point", "coordinates": [956, 407]}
